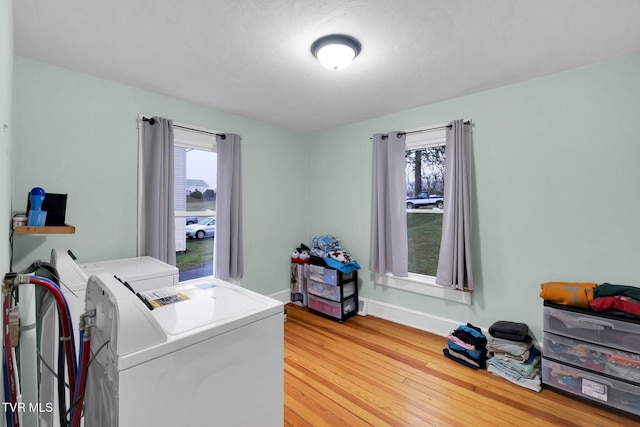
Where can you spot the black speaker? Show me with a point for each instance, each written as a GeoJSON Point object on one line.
{"type": "Point", "coordinates": [55, 205]}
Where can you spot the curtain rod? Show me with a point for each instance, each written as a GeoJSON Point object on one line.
{"type": "Point", "coordinates": [429, 129]}
{"type": "Point", "coordinates": [448, 126]}
{"type": "Point", "coordinates": [152, 121]}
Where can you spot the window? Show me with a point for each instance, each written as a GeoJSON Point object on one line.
{"type": "Point", "coordinates": [195, 188]}
{"type": "Point", "coordinates": [425, 162]}
{"type": "Point", "coordinates": [425, 151]}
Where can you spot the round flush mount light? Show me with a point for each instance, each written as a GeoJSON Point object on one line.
{"type": "Point", "coordinates": [336, 51]}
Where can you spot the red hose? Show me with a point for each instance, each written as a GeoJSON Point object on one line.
{"type": "Point", "coordinates": [9, 359]}
{"type": "Point", "coordinates": [66, 330]}
{"type": "Point", "coordinates": [84, 364]}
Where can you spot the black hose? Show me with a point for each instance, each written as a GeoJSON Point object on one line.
{"type": "Point", "coordinates": [62, 404]}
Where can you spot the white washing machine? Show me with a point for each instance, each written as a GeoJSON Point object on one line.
{"type": "Point", "coordinates": [209, 353]}
{"type": "Point", "coordinates": [142, 273]}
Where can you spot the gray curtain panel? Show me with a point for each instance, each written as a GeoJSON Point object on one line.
{"type": "Point", "coordinates": [388, 246]}
{"type": "Point", "coordinates": [228, 242]}
{"type": "Point", "coordinates": [157, 211]}
{"type": "Point", "coordinates": [454, 263]}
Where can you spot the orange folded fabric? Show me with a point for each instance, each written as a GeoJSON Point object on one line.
{"type": "Point", "coordinates": [568, 293]}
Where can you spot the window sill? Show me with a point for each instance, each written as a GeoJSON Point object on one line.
{"type": "Point", "coordinates": [424, 286]}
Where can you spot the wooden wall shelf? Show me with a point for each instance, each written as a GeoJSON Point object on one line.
{"type": "Point", "coordinates": [51, 229]}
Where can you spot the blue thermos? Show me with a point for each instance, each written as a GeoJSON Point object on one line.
{"type": "Point", "coordinates": [37, 217]}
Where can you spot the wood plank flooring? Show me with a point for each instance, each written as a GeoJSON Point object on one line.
{"type": "Point", "coordinates": [370, 372]}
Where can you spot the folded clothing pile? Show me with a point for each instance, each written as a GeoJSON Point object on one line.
{"type": "Point", "coordinates": [467, 345]}
{"type": "Point", "coordinates": [618, 299]}
{"type": "Point", "coordinates": [615, 299]}
{"type": "Point", "coordinates": [320, 245]}
{"type": "Point", "coordinates": [574, 294]}
{"type": "Point", "coordinates": [328, 248]}
{"type": "Point", "coordinates": [512, 355]}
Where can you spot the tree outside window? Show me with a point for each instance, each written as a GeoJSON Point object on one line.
{"type": "Point", "coordinates": [425, 165]}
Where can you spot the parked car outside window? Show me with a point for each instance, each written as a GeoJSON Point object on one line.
{"type": "Point", "coordinates": [203, 228]}
{"type": "Point", "coordinates": [425, 199]}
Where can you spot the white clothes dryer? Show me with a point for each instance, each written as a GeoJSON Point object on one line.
{"type": "Point", "coordinates": [142, 274]}
{"type": "Point", "coordinates": [203, 353]}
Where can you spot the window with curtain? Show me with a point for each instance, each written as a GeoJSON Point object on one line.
{"type": "Point", "coordinates": [187, 173]}
{"type": "Point", "coordinates": [425, 247]}
{"type": "Point", "coordinates": [195, 193]}
{"type": "Point", "coordinates": [178, 195]}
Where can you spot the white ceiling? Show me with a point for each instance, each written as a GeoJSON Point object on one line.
{"type": "Point", "coordinates": [252, 57]}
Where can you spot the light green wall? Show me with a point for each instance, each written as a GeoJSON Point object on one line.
{"type": "Point", "coordinates": [553, 167]}
{"type": "Point", "coordinates": [555, 178]}
{"type": "Point", "coordinates": [77, 134]}
{"type": "Point", "coordinates": [6, 77]}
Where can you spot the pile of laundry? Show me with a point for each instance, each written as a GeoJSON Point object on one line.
{"type": "Point", "coordinates": [512, 354]}
{"type": "Point", "coordinates": [467, 345]}
{"type": "Point", "coordinates": [621, 299]}
{"type": "Point", "coordinates": [328, 248]}
{"type": "Point", "coordinates": [615, 299]}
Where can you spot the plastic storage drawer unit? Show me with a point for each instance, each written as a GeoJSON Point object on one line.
{"type": "Point", "coordinates": [599, 359]}
{"type": "Point", "coordinates": [614, 393]}
{"type": "Point", "coordinates": [599, 330]}
{"type": "Point", "coordinates": [316, 304]}
{"type": "Point", "coordinates": [331, 292]}
{"type": "Point", "coordinates": [329, 275]}
{"type": "Point", "coordinates": [333, 309]}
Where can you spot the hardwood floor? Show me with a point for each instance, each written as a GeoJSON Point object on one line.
{"type": "Point", "coordinates": [368, 371]}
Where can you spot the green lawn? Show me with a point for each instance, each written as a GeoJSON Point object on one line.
{"type": "Point", "coordinates": [199, 252]}
{"type": "Point", "coordinates": [424, 233]}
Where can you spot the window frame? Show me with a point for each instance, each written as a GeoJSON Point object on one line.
{"type": "Point", "coordinates": [425, 137]}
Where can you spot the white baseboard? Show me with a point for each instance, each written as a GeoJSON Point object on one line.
{"type": "Point", "coordinates": [282, 296]}
{"type": "Point", "coordinates": [415, 319]}
{"type": "Point", "coordinates": [404, 316]}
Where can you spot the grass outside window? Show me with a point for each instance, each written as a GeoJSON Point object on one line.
{"type": "Point", "coordinates": [424, 232]}
{"type": "Point", "coordinates": [198, 251]}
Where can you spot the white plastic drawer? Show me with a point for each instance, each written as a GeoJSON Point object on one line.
{"type": "Point", "coordinates": [617, 394]}
{"type": "Point", "coordinates": [331, 292]}
{"type": "Point", "coordinates": [333, 309]}
{"type": "Point", "coordinates": [598, 330]}
{"type": "Point", "coordinates": [617, 363]}
{"type": "Point", "coordinates": [328, 275]}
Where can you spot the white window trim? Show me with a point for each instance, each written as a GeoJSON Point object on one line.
{"type": "Point", "coordinates": [194, 137]}
{"type": "Point", "coordinates": [427, 137]}
{"type": "Point", "coordinates": [422, 284]}
{"type": "Point", "coordinates": [184, 214]}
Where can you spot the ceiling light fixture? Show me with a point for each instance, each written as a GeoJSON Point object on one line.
{"type": "Point", "coordinates": [336, 51]}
